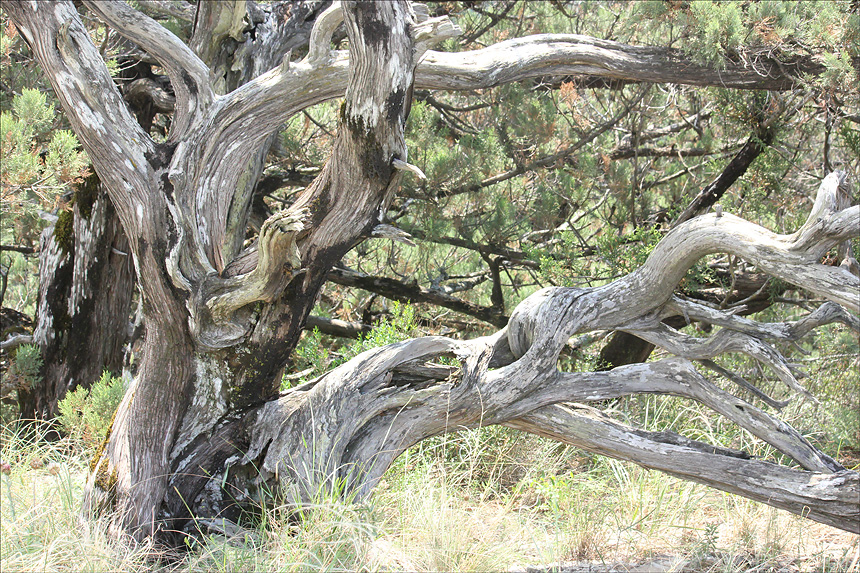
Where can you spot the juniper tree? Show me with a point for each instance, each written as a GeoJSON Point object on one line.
{"type": "Point", "coordinates": [205, 431]}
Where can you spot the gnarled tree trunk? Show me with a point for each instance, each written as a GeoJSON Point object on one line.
{"type": "Point", "coordinates": [204, 432]}
{"type": "Point", "coordinates": [86, 272]}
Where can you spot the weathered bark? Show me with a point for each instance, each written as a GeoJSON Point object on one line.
{"type": "Point", "coordinates": [571, 54]}
{"type": "Point", "coordinates": [625, 348]}
{"type": "Point", "coordinates": [203, 430]}
{"type": "Point", "coordinates": [86, 281]}
{"type": "Point", "coordinates": [242, 40]}
{"type": "Point", "coordinates": [829, 498]}
{"type": "Point", "coordinates": [134, 470]}
{"type": "Point", "coordinates": [749, 289]}
{"type": "Point", "coordinates": [130, 166]}
{"type": "Point", "coordinates": [359, 417]}
{"type": "Point", "coordinates": [87, 275]}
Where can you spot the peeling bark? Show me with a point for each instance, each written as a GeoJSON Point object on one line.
{"type": "Point", "coordinates": [86, 281]}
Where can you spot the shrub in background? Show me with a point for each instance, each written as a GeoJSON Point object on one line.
{"type": "Point", "coordinates": [88, 414]}
{"type": "Point", "coordinates": [23, 373]}
{"type": "Point", "coordinates": [312, 353]}
{"type": "Point", "coordinates": [25, 368]}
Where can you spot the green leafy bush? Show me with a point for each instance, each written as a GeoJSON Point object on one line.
{"type": "Point", "coordinates": [37, 164]}
{"type": "Point", "coordinates": [88, 414]}
{"type": "Point", "coordinates": [312, 353]}
{"type": "Point", "coordinates": [400, 326]}
{"type": "Point", "coordinates": [38, 160]}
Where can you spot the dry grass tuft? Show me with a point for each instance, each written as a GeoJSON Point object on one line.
{"type": "Point", "coordinates": [487, 500]}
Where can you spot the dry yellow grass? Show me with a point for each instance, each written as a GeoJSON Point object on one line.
{"type": "Point", "coordinates": [445, 508]}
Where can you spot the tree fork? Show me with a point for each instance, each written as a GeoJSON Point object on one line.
{"type": "Point", "coordinates": [370, 140]}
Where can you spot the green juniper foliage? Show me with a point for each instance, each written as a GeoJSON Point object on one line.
{"type": "Point", "coordinates": [37, 161]}
{"type": "Point", "coordinates": [312, 352]}
{"type": "Point", "coordinates": [27, 364]}
{"type": "Point", "coordinates": [87, 414]}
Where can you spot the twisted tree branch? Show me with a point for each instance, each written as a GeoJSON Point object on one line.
{"type": "Point", "coordinates": [187, 72]}
{"type": "Point", "coordinates": [391, 397]}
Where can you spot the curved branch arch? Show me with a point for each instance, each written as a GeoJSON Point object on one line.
{"type": "Point", "coordinates": [188, 74]}
{"type": "Point", "coordinates": [359, 417]}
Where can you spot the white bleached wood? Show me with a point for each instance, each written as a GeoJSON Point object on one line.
{"type": "Point", "coordinates": [827, 498]}
{"type": "Point", "coordinates": [385, 231]}
{"type": "Point", "coordinates": [428, 32]}
{"type": "Point", "coordinates": [722, 342]}
{"type": "Point", "coordinates": [319, 47]}
{"type": "Point", "coordinates": [358, 418]}
{"type": "Point", "coordinates": [569, 54]}
{"type": "Point", "coordinates": [414, 169]}
{"type": "Point", "coordinates": [508, 61]}
{"type": "Point", "coordinates": [825, 314]}
{"type": "Point", "coordinates": [278, 262]}
{"type": "Point", "coordinates": [266, 101]}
